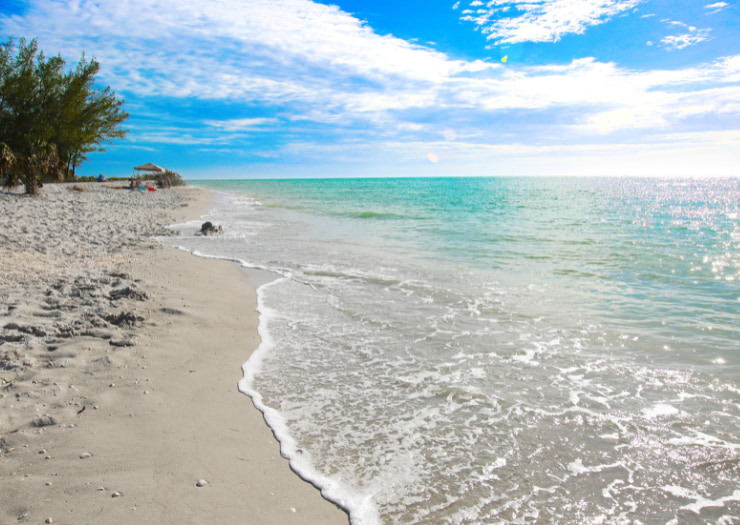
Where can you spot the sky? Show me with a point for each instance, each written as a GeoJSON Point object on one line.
{"type": "Point", "coordinates": [297, 88]}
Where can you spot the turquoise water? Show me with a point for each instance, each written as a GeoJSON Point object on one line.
{"type": "Point", "coordinates": [498, 350]}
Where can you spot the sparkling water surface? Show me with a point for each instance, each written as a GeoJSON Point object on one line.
{"type": "Point", "coordinates": [497, 350]}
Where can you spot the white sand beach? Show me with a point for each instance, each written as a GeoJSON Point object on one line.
{"type": "Point", "coordinates": [119, 362]}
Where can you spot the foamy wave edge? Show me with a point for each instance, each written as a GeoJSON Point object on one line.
{"type": "Point", "coordinates": [360, 508]}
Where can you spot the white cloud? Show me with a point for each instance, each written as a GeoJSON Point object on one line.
{"type": "Point", "coordinates": [661, 100]}
{"type": "Point", "coordinates": [674, 154]}
{"type": "Point", "coordinates": [410, 126]}
{"type": "Point", "coordinates": [311, 64]}
{"type": "Point", "coordinates": [728, 69]}
{"type": "Point", "coordinates": [242, 124]}
{"type": "Point", "coordinates": [225, 48]}
{"type": "Point", "coordinates": [716, 7]}
{"type": "Point", "coordinates": [514, 21]}
{"type": "Point", "coordinates": [178, 136]}
{"type": "Point", "coordinates": [692, 37]}
{"type": "Point", "coordinates": [634, 117]}
{"type": "Point", "coordinates": [684, 40]}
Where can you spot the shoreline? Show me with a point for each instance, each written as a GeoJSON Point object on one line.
{"type": "Point", "coordinates": [94, 432]}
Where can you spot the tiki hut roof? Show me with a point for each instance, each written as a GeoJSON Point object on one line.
{"type": "Point", "coordinates": [150, 167]}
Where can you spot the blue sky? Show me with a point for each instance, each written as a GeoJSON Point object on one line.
{"type": "Point", "coordinates": [274, 88]}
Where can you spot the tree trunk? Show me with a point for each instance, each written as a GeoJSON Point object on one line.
{"type": "Point", "coordinates": [32, 184]}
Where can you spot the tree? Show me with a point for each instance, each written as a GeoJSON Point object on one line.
{"type": "Point", "coordinates": [26, 85]}
{"type": "Point", "coordinates": [50, 120]}
{"type": "Point", "coordinates": [91, 116]}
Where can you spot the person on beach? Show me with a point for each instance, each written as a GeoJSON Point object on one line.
{"type": "Point", "coordinates": [136, 183]}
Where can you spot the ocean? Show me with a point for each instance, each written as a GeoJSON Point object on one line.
{"type": "Point", "coordinates": [497, 350]}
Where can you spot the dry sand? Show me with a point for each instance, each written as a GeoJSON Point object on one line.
{"type": "Point", "coordinates": [119, 362]}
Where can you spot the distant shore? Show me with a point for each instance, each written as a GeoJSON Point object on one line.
{"type": "Point", "coordinates": [119, 360]}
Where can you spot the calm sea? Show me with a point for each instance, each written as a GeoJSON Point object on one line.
{"type": "Point", "coordinates": [497, 350]}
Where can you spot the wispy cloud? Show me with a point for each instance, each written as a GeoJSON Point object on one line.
{"type": "Point", "coordinates": [685, 40]}
{"type": "Point", "coordinates": [716, 7]}
{"type": "Point", "coordinates": [315, 71]}
{"type": "Point", "coordinates": [223, 49]}
{"type": "Point", "coordinates": [690, 37]}
{"type": "Point", "coordinates": [514, 21]}
{"type": "Point", "coordinates": [241, 124]}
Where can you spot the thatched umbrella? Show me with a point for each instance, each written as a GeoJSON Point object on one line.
{"type": "Point", "coordinates": [150, 168]}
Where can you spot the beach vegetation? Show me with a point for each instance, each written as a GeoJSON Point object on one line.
{"type": "Point", "coordinates": [169, 179]}
{"type": "Point", "coordinates": [51, 118]}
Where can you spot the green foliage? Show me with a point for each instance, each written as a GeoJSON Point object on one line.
{"type": "Point", "coordinates": [169, 179]}
{"type": "Point", "coordinates": [166, 179]}
{"type": "Point", "coordinates": [51, 119]}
